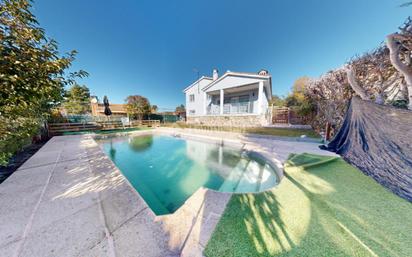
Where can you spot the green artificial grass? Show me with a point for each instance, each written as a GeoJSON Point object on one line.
{"type": "Point", "coordinates": [308, 160]}
{"type": "Point", "coordinates": [326, 209]}
{"type": "Point", "coordinates": [283, 132]}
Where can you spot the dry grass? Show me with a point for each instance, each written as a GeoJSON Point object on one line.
{"type": "Point", "coordinates": [284, 132]}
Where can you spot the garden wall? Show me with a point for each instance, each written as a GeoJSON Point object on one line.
{"type": "Point", "coordinates": [229, 121]}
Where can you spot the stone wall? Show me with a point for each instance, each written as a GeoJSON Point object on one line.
{"type": "Point", "coordinates": [229, 121]}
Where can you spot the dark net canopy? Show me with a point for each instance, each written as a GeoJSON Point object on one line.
{"type": "Point", "coordinates": [378, 140]}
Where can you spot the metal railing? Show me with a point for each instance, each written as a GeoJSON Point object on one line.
{"type": "Point", "coordinates": [213, 110]}
{"type": "Point", "coordinates": [231, 108]}
{"type": "Point", "coordinates": [237, 108]}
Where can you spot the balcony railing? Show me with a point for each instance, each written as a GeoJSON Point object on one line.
{"type": "Point", "coordinates": [231, 108]}
{"type": "Point", "coordinates": [213, 110]}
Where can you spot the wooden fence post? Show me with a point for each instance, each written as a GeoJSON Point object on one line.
{"type": "Point", "coordinates": [327, 131]}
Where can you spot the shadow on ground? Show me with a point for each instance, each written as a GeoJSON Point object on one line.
{"type": "Point", "coordinates": [330, 209]}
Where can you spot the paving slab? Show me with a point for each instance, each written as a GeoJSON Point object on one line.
{"type": "Point", "coordinates": [9, 249]}
{"type": "Point", "coordinates": [19, 195]}
{"type": "Point", "coordinates": [102, 249]}
{"type": "Point", "coordinates": [68, 192]}
{"type": "Point", "coordinates": [41, 159]}
{"type": "Point", "coordinates": [68, 236]}
{"type": "Point", "coordinates": [69, 199]}
{"type": "Point", "coordinates": [145, 237]}
{"type": "Point", "coordinates": [120, 207]}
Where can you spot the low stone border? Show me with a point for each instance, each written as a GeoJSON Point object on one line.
{"type": "Point", "coordinates": [205, 207]}
{"type": "Point", "coordinates": [69, 199]}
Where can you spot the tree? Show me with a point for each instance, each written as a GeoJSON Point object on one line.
{"type": "Point", "coordinates": [298, 98]}
{"type": "Point", "coordinates": [77, 100]}
{"type": "Point", "coordinates": [153, 109]}
{"type": "Point", "coordinates": [32, 76]}
{"type": "Point", "coordinates": [383, 75]}
{"type": "Point", "coordinates": [372, 76]}
{"type": "Point", "coordinates": [406, 4]}
{"type": "Point", "coordinates": [180, 109]}
{"type": "Point", "coordinates": [277, 101]}
{"type": "Point", "coordinates": [137, 106]}
{"type": "Point", "coordinates": [350, 73]}
{"type": "Point", "coordinates": [400, 47]}
{"type": "Point", "coordinates": [299, 87]}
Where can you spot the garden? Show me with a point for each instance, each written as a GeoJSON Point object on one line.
{"type": "Point", "coordinates": [323, 207]}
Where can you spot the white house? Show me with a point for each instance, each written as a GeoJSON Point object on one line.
{"type": "Point", "coordinates": [234, 99]}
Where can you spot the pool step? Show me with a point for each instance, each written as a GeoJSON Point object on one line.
{"type": "Point", "coordinates": [249, 176]}
{"type": "Point", "coordinates": [250, 179]}
{"type": "Point", "coordinates": [259, 179]}
{"type": "Point", "coordinates": [232, 181]}
{"type": "Point", "coordinates": [267, 180]}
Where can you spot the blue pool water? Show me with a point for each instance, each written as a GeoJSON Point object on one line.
{"type": "Point", "coordinates": [166, 170]}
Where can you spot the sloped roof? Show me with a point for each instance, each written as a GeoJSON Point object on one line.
{"type": "Point", "coordinates": [197, 81]}
{"type": "Point", "coordinates": [237, 74]}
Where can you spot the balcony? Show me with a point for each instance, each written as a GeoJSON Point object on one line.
{"type": "Point", "coordinates": [231, 108]}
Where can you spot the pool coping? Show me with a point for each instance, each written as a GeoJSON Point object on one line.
{"type": "Point", "coordinates": [232, 143]}
{"type": "Point", "coordinates": [195, 247]}
{"type": "Point", "coordinates": [192, 245]}
{"type": "Point", "coordinates": [70, 199]}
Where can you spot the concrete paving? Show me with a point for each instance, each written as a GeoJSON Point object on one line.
{"type": "Point", "coordinates": [69, 199]}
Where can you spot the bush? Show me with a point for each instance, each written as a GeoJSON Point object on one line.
{"type": "Point", "coordinates": [32, 76]}
{"type": "Point", "coordinates": [16, 133]}
{"type": "Point", "coordinates": [56, 117]}
{"type": "Point", "coordinates": [403, 104]}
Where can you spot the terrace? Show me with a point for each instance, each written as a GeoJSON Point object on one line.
{"type": "Point", "coordinates": [71, 189]}
{"type": "Point", "coordinates": [241, 100]}
{"type": "Point", "coordinates": [317, 167]}
{"type": "Point", "coordinates": [72, 194]}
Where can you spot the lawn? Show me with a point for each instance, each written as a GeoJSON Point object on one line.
{"type": "Point", "coordinates": [326, 209]}
{"type": "Point", "coordinates": [284, 132]}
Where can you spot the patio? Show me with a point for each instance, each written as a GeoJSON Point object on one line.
{"type": "Point", "coordinates": [69, 199]}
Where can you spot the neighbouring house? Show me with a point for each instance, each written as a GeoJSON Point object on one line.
{"type": "Point", "coordinates": [235, 99]}
{"type": "Point", "coordinates": [118, 110]}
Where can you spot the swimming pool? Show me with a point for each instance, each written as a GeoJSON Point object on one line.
{"type": "Point", "coordinates": [167, 170]}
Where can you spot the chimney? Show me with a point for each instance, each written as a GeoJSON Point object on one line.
{"type": "Point", "coordinates": [215, 74]}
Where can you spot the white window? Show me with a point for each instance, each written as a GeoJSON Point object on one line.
{"type": "Point", "coordinates": [192, 111]}
{"type": "Point", "coordinates": [192, 98]}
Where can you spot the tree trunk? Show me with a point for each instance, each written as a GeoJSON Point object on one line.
{"type": "Point", "coordinates": [354, 84]}
{"type": "Point", "coordinates": [404, 69]}
{"type": "Point", "coordinates": [379, 98]}
{"type": "Point", "coordinates": [328, 131]}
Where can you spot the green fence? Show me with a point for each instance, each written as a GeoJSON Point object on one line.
{"type": "Point", "coordinates": [163, 117]}
{"type": "Point", "coordinates": [168, 118]}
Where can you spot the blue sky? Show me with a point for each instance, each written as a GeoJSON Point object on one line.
{"type": "Point", "coordinates": [150, 48]}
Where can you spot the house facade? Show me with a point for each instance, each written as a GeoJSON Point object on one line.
{"type": "Point", "coordinates": [235, 99]}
